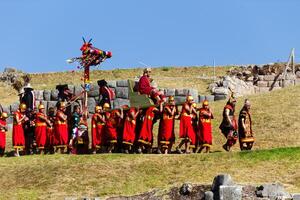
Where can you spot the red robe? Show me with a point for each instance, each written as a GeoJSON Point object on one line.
{"type": "Point", "coordinates": [146, 134]}
{"type": "Point", "coordinates": [18, 131]}
{"type": "Point", "coordinates": [111, 127]}
{"type": "Point", "coordinates": [40, 130]}
{"type": "Point", "coordinates": [186, 130]}
{"type": "Point", "coordinates": [2, 134]}
{"type": "Point", "coordinates": [129, 127]}
{"type": "Point", "coordinates": [61, 130]}
{"type": "Point", "coordinates": [97, 131]}
{"type": "Point", "coordinates": [205, 128]}
{"type": "Point", "coordinates": [144, 85]}
{"type": "Point", "coordinates": [166, 133]}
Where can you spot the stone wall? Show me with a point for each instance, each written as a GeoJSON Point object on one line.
{"type": "Point", "coordinates": [49, 97]}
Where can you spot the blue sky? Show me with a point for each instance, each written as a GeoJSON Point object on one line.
{"type": "Point", "coordinates": [39, 35]}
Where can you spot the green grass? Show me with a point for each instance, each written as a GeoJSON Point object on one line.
{"type": "Point", "coordinates": [58, 176]}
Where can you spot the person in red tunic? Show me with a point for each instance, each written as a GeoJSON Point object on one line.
{"type": "Point", "coordinates": [205, 127]}
{"type": "Point", "coordinates": [166, 135]}
{"type": "Point", "coordinates": [41, 129]}
{"type": "Point", "coordinates": [98, 122]}
{"type": "Point", "coordinates": [229, 124]}
{"type": "Point", "coordinates": [186, 133]}
{"type": "Point", "coordinates": [129, 129]}
{"type": "Point", "coordinates": [18, 131]}
{"type": "Point", "coordinates": [145, 138]}
{"type": "Point", "coordinates": [61, 128]}
{"type": "Point", "coordinates": [111, 124]}
{"type": "Point", "coordinates": [3, 130]}
{"type": "Point", "coordinates": [50, 131]}
{"type": "Point", "coordinates": [144, 87]}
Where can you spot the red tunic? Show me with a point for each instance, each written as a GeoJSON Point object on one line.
{"type": "Point", "coordinates": [61, 130]}
{"type": "Point", "coordinates": [166, 133]}
{"type": "Point", "coordinates": [205, 128]}
{"type": "Point", "coordinates": [40, 130]}
{"type": "Point", "coordinates": [111, 127]}
{"type": "Point", "coordinates": [129, 127]}
{"type": "Point", "coordinates": [186, 127]}
{"type": "Point", "coordinates": [2, 134]}
{"type": "Point", "coordinates": [146, 134]}
{"type": "Point", "coordinates": [97, 131]}
{"type": "Point", "coordinates": [18, 131]}
{"type": "Point", "coordinates": [144, 85]}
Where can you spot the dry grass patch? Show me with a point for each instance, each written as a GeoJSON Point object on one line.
{"type": "Point", "coordinates": [58, 176]}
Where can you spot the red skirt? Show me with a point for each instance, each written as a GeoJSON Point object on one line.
{"type": "Point", "coordinates": [205, 134]}
{"type": "Point", "coordinates": [186, 129]}
{"type": "Point", "coordinates": [41, 135]}
{"type": "Point", "coordinates": [18, 136]}
{"type": "Point", "coordinates": [61, 134]}
{"type": "Point", "coordinates": [2, 139]}
{"type": "Point", "coordinates": [111, 134]}
{"type": "Point", "coordinates": [129, 132]}
{"type": "Point", "coordinates": [50, 137]}
{"type": "Point", "coordinates": [97, 135]}
{"type": "Point", "coordinates": [166, 131]}
{"type": "Point", "coordinates": [146, 134]}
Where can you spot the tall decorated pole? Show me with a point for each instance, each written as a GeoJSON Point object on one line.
{"type": "Point", "coordinates": [91, 56]}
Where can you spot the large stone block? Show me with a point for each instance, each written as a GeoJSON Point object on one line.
{"type": "Point", "coordinates": [290, 77]}
{"type": "Point", "coordinates": [6, 109]}
{"type": "Point", "coordinates": [208, 195]}
{"type": "Point", "coordinates": [122, 92]}
{"type": "Point", "coordinates": [112, 84]}
{"type": "Point", "coordinates": [201, 98]}
{"type": "Point", "coordinates": [286, 83]}
{"type": "Point", "coordinates": [262, 83]}
{"type": "Point", "coordinates": [210, 98]}
{"type": "Point", "coordinates": [269, 77]}
{"type": "Point", "coordinates": [91, 105]}
{"type": "Point", "coordinates": [260, 77]}
{"type": "Point", "coordinates": [221, 90]}
{"type": "Point", "coordinates": [39, 94]}
{"type": "Point", "coordinates": [181, 92]}
{"type": "Point", "coordinates": [51, 104]}
{"type": "Point", "coordinates": [273, 84]}
{"type": "Point", "coordinates": [179, 99]}
{"type": "Point", "coordinates": [220, 97]}
{"type": "Point", "coordinates": [54, 94]}
{"type": "Point", "coordinates": [220, 180]}
{"type": "Point", "coordinates": [117, 103]}
{"type": "Point", "coordinates": [170, 92]}
{"type": "Point", "coordinates": [77, 90]}
{"type": "Point", "coordinates": [264, 89]}
{"type": "Point", "coordinates": [297, 82]}
{"type": "Point", "coordinates": [298, 74]}
{"type": "Point", "coordinates": [94, 92]}
{"type": "Point", "coordinates": [194, 93]}
{"type": "Point", "coordinates": [122, 83]}
{"type": "Point", "coordinates": [230, 192]}
{"type": "Point", "coordinates": [296, 196]}
{"type": "Point", "coordinates": [273, 191]}
{"type": "Point", "coordinates": [47, 95]}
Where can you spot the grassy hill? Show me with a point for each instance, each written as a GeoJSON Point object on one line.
{"type": "Point", "coordinates": [275, 124]}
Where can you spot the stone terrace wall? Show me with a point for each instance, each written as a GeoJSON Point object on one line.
{"type": "Point", "coordinates": [49, 97]}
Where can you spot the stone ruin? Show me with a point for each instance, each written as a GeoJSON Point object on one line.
{"type": "Point", "coordinates": [251, 79]}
